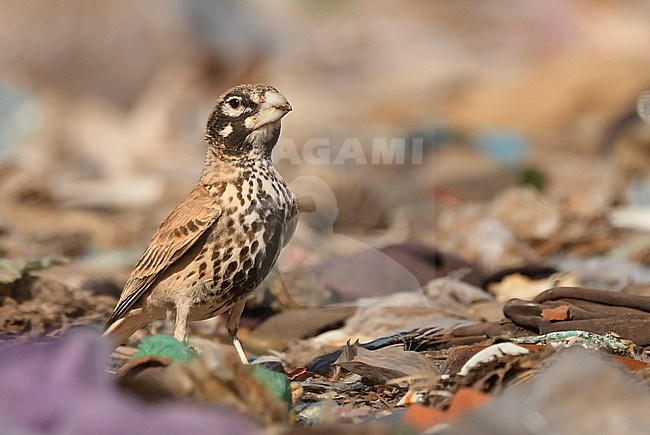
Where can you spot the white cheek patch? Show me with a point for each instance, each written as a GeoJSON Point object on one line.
{"type": "Point", "coordinates": [250, 121]}
{"type": "Point", "coordinates": [225, 132]}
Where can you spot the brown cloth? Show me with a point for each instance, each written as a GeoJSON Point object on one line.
{"type": "Point", "coordinates": [597, 311]}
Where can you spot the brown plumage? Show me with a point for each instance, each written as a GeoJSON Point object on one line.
{"type": "Point", "coordinates": [215, 248]}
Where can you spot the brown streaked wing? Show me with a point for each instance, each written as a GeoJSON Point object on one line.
{"type": "Point", "coordinates": [182, 228]}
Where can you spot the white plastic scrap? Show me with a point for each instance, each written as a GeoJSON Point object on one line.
{"type": "Point", "coordinates": [491, 353]}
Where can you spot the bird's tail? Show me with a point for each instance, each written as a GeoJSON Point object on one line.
{"type": "Point", "coordinates": [120, 330]}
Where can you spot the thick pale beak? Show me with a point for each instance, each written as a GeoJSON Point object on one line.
{"type": "Point", "coordinates": [274, 107]}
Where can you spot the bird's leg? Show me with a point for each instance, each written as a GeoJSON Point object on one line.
{"type": "Point", "coordinates": [233, 327]}
{"type": "Point", "coordinates": [182, 312]}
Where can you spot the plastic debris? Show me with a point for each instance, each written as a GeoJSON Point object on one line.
{"type": "Point", "coordinates": [278, 383]}
{"type": "Point", "coordinates": [559, 400]}
{"type": "Point", "coordinates": [166, 346]}
{"type": "Point", "coordinates": [491, 353]}
{"type": "Point", "coordinates": [425, 419]}
{"type": "Point", "coordinates": [611, 343]}
{"type": "Point", "coordinates": [412, 397]}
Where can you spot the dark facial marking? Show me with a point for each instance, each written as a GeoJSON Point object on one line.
{"type": "Point", "coordinates": [238, 99]}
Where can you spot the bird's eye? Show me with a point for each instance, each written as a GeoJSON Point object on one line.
{"type": "Point", "coordinates": [234, 102]}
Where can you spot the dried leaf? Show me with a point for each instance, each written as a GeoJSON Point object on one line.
{"type": "Point", "coordinates": [383, 365]}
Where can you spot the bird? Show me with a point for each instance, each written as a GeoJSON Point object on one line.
{"type": "Point", "coordinates": [219, 244]}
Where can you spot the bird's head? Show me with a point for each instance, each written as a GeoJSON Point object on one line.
{"type": "Point", "coordinates": [246, 121]}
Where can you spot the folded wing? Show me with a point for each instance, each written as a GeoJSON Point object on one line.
{"type": "Point", "coordinates": [182, 228]}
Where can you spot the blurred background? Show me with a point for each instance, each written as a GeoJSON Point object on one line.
{"type": "Point", "coordinates": [526, 111]}
{"type": "Point", "coordinates": [525, 166]}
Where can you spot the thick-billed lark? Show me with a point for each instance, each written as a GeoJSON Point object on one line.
{"type": "Point", "coordinates": [215, 248]}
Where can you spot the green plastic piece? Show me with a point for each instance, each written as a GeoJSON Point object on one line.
{"type": "Point", "coordinates": [274, 381]}
{"type": "Point", "coordinates": [165, 345]}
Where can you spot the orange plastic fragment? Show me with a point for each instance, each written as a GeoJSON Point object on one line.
{"type": "Point", "coordinates": [420, 417]}
{"type": "Point", "coordinates": [465, 401]}
{"type": "Point", "coordinates": [557, 313]}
